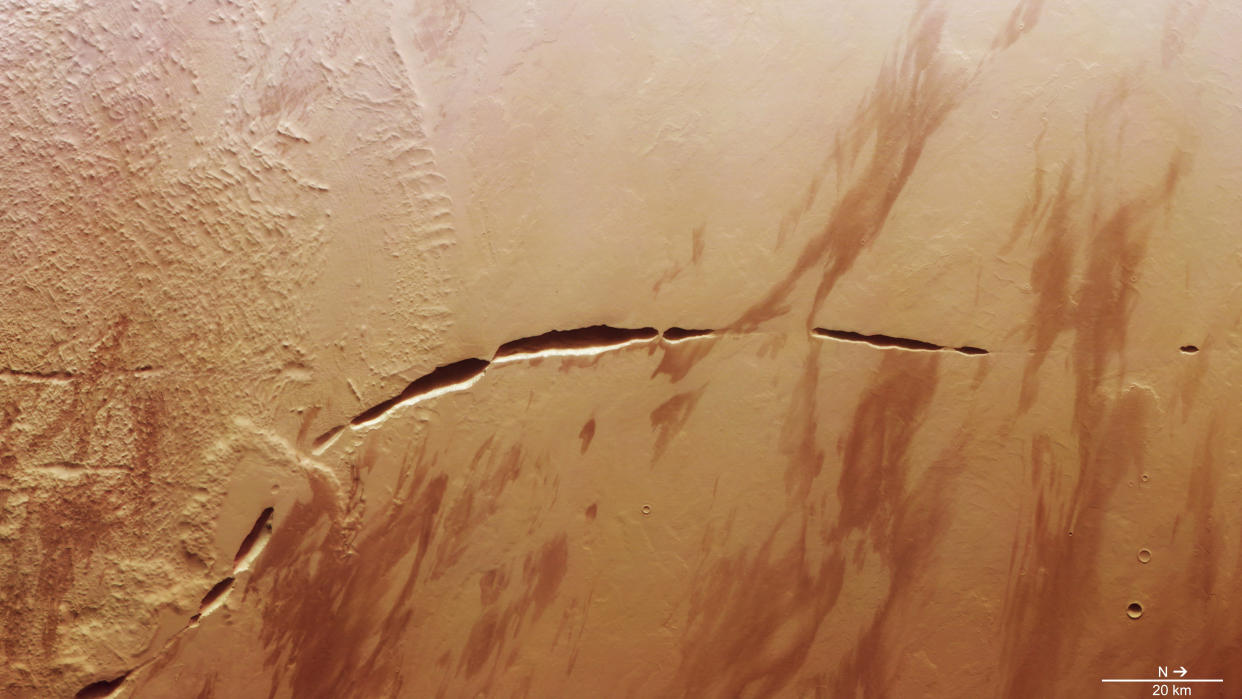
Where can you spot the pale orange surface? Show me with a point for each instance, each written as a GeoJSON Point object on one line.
{"type": "Point", "coordinates": [641, 349]}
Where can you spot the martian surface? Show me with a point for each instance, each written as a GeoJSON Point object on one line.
{"type": "Point", "coordinates": [478, 348]}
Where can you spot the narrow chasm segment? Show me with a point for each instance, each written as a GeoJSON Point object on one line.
{"type": "Point", "coordinates": [214, 598]}
{"type": "Point", "coordinates": [887, 341]}
{"type": "Point", "coordinates": [589, 340]}
{"type": "Point", "coordinates": [101, 689]}
{"type": "Point", "coordinates": [326, 437]}
{"type": "Point", "coordinates": [254, 542]}
{"type": "Point", "coordinates": [439, 379]}
{"type": "Point", "coordinates": [679, 334]}
{"type": "Point", "coordinates": [1189, 349]}
{"type": "Point", "coordinates": [595, 338]}
{"type": "Point", "coordinates": [37, 375]}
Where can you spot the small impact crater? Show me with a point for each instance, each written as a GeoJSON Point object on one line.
{"type": "Point", "coordinates": [1135, 610]}
{"type": "Point", "coordinates": [886, 341]}
{"type": "Point", "coordinates": [583, 340]}
{"type": "Point", "coordinates": [100, 689]}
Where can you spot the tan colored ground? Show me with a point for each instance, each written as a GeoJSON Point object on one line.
{"type": "Point", "coordinates": [967, 388]}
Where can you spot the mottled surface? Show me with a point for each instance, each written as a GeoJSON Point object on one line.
{"type": "Point", "coordinates": [619, 349]}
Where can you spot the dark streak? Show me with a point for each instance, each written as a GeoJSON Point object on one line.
{"type": "Point", "coordinates": [62, 375]}
{"type": "Point", "coordinates": [37, 375]}
{"type": "Point", "coordinates": [890, 341]}
{"type": "Point", "coordinates": [587, 434]}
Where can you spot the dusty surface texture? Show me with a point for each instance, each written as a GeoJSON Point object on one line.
{"type": "Point", "coordinates": [898, 348]}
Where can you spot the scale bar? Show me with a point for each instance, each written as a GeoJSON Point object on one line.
{"type": "Point", "coordinates": [1164, 681]}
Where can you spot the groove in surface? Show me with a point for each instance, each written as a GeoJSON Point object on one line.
{"type": "Point", "coordinates": [595, 337]}
{"type": "Point", "coordinates": [887, 341]}
{"type": "Point", "coordinates": [254, 541]}
{"type": "Point", "coordinates": [679, 334]}
{"type": "Point", "coordinates": [439, 378]}
{"type": "Point", "coordinates": [100, 689]}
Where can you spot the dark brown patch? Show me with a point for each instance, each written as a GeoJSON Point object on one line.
{"type": "Point", "coordinates": [542, 575]}
{"type": "Point", "coordinates": [752, 619]}
{"type": "Point", "coordinates": [1039, 608]}
{"type": "Point", "coordinates": [679, 358]}
{"type": "Point", "coordinates": [919, 519]}
{"type": "Point", "coordinates": [491, 472]}
{"type": "Point", "coordinates": [208, 690]}
{"type": "Point", "coordinates": [915, 92]}
{"type": "Point", "coordinates": [1023, 19]}
{"type": "Point", "coordinates": [1108, 429]}
{"type": "Point", "coordinates": [793, 217]}
{"type": "Point", "coordinates": [587, 434]}
{"type": "Point", "coordinates": [548, 571]}
{"type": "Point", "coordinates": [491, 584]}
{"type": "Point", "coordinates": [316, 625]}
{"type": "Point", "coordinates": [670, 417]}
{"type": "Point", "coordinates": [874, 453]}
{"type": "Point", "coordinates": [1050, 278]}
{"type": "Point", "coordinates": [485, 637]}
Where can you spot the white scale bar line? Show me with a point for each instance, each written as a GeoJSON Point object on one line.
{"type": "Point", "coordinates": [1167, 681]}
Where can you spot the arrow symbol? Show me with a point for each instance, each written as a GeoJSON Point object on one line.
{"type": "Point", "coordinates": [1180, 671]}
